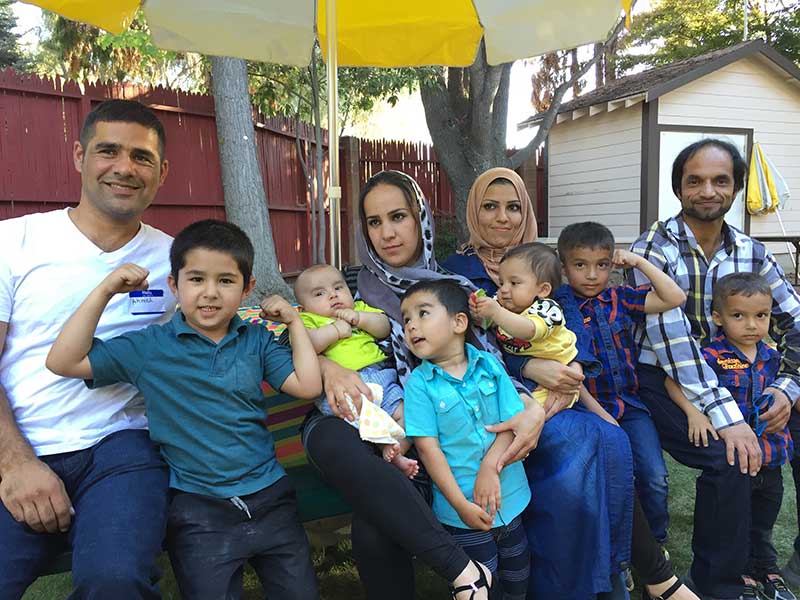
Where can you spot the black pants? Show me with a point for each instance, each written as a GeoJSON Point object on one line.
{"type": "Point", "coordinates": [646, 555]}
{"type": "Point", "coordinates": [794, 428]}
{"type": "Point", "coordinates": [765, 504]}
{"type": "Point", "coordinates": [722, 505]}
{"type": "Point", "coordinates": [210, 540]}
{"type": "Point", "coordinates": [391, 520]}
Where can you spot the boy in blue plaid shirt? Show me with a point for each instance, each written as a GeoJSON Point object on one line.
{"type": "Point", "coordinates": [587, 255]}
{"type": "Point", "coordinates": [741, 307]}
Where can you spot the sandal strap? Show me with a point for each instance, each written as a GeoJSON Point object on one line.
{"type": "Point", "coordinates": [669, 591]}
{"type": "Point", "coordinates": [480, 583]}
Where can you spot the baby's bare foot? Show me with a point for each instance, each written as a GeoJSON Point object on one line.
{"type": "Point", "coordinates": [408, 466]}
{"type": "Point", "coordinates": [390, 451]}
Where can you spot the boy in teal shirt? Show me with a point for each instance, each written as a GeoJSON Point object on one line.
{"type": "Point", "coordinates": [200, 374]}
{"type": "Point", "coordinates": [450, 398]}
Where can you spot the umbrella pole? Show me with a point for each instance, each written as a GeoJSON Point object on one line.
{"type": "Point", "coordinates": [334, 190]}
{"type": "Point", "coordinates": [788, 245]}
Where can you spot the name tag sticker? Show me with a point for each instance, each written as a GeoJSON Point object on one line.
{"type": "Point", "coordinates": [147, 302]}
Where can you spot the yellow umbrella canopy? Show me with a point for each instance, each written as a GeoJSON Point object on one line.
{"type": "Point", "coordinates": [381, 34]}
{"type": "Point", "coordinates": [366, 33]}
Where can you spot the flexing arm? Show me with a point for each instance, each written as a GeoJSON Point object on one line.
{"type": "Point", "coordinates": [305, 381]}
{"type": "Point", "coordinates": [666, 293]}
{"type": "Point", "coordinates": [69, 355]}
{"type": "Point", "coordinates": [436, 463]}
{"type": "Point", "coordinates": [29, 489]}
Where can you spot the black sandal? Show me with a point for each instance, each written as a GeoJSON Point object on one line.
{"type": "Point", "coordinates": [665, 594]}
{"type": "Point", "coordinates": [477, 585]}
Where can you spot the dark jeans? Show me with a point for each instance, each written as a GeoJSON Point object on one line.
{"type": "Point", "coordinates": [649, 469]}
{"type": "Point", "coordinates": [210, 540]}
{"type": "Point", "coordinates": [766, 497]}
{"type": "Point", "coordinates": [119, 491]}
{"type": "Point", "coordinates": [794, 428]}
{"type": "Point", "coordinates": [722, 503]}
{"type": "Point", "coordinates": [391, 520]}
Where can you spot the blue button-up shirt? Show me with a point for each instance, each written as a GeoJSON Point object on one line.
{"type": "Point", "coordinates": [456, 411]}
{"type": "Point", "coordinates": [745, 381]}
{"type": "Point", "coordinates": [204, 400]}
{"type": "Point", "coordinates": [609, 317]}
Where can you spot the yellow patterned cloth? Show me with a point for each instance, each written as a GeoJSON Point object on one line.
{"type": "Point", "coordinates": [375, 424]}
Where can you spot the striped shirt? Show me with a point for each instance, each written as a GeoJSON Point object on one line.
{"type": "Point", "coordinates": [746, 380]}
{"type": "Point", "coordinates": [672, 339]}
{"type": "Point", "coordinates": [609, 317]}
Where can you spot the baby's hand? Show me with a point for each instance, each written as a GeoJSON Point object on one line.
{"type": "Point", "coordinates": [487, 493]}
{"type": "Point", "coordinates": [349, 315]}
{"type": "Point", "coordinates": [276, 308]}
{"type": "Point", "coordinates": [126, 278]}
{"type": "Point", "coordinates": [483, 307]}
{"type": "Point", "coordinates": [700, 428]}
{"type": "Point", "coordinates": [343, 328]}
{"type": "Point", "coordinates": [626, 259]}
{"type": "Point", "coordinates": [475, 517]}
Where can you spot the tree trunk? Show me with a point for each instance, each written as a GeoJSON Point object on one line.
{"type": "Point", "coordinates": [319, 191]}
{"type": "Point", "coordinates": [245, 198]}
{"type": "Point", "coordinates": [598, 67]}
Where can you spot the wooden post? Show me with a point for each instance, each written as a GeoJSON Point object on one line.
{"type": "Point", "coordinates": [351, 156]}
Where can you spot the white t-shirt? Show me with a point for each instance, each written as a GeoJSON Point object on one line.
{"type": "Point", "coordinates": [47, 268]}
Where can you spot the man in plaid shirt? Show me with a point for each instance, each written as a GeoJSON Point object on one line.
{"type": "Point", "coordinates": [696, 248]}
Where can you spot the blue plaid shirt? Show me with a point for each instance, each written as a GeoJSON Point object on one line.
{"type": "Point", "coordinates": [746, 381]}
{"type": "Point", "coordinates": [671, 340]}
{"type": "Point", "coordinates": [609, 318]}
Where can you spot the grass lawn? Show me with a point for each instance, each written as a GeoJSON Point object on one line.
{"type": "Point", "coordinates": [339, 581]}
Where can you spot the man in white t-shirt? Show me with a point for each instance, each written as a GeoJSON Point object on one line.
{"type": "Point", "coordinates": [77, 468]}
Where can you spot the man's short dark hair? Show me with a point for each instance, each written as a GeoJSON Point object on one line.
{"type": "Point", "coordinates": [587, 234]}
{"type": "Point", "coordinates": [542, 260]}
{"type": "Point", "coordinates": [447, 291]}
{"type": "Point", "coordinates": [738, 284]}
{"type": "Point", "coordinates": [219, 236]}
{"type": "Point", "coordinates": [123, 111]}
{"type": "Point", "coordinates": [739, 164]}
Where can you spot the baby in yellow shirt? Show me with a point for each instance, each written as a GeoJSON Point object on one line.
{"type": "Point", "coordinates": [528, 322]}
{"type": "Point", "coordinates": [345, 331]}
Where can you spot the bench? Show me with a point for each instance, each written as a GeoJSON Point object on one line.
{"type": "Point", "coordinates": [315, 499]}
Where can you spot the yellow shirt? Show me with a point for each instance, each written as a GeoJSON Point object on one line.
{"type": "Point", "coordinates": [357, 351]}
{"type": "Point", "coordinates": [551, 340]}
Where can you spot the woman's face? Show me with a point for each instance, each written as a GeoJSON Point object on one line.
{"type": "Point", "coordinates": [392, 226]}
{"type": "Point", "coordinates": [499, 215]}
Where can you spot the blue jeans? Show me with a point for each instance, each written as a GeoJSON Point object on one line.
{"type": "Point", "coordinates": [649, 469]}
{"type": "Point", "coordinates": [119, 491]}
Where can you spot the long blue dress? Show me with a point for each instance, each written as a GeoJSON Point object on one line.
{"type": "Point", "coordinates": [581, 475]}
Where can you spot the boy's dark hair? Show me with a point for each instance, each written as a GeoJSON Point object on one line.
{"type": "Point", "coordinates": [739, 164]}
{"type": "Point", "coordinates": [542, 260]}
{"type": "Point", "coordinates": [447, 291]}
{"type": "Point", "coordinates": [219, 236]}
{"type": "Point", "coordinates": [738, 284]}
{"type": "Point", "coordinates": [124, 111]}
{"type": "Point", "coordinates": [585, 235]}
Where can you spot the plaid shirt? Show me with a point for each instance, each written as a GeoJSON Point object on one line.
{"type": "Point", "coordinates": [745, 381]}
{"type": "Point", "coordinates": [672, 339]}
{"type": "Point", "coordinates": [609, 318]}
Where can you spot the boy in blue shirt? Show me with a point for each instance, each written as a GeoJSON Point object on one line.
{"type": "Point", "coordinates": [587, 253]}
{"type": "Point", "coordinates": [200, 374]}
{"type": "Point", "coordinates": [449, 399]}
{"type": "Point", "coordinates": [741, 306]}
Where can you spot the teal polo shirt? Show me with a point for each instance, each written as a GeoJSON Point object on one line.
{"type": "Point", "coordinates": [204, 402]}
{"type": "Point", "coordinates": [456, 412]}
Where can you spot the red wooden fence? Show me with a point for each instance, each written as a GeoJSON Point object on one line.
{"type": "Point", "coordinates": [40, 120]}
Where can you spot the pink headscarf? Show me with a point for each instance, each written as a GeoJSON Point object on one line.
{"type": "Point", "coordinates": [489, 255]}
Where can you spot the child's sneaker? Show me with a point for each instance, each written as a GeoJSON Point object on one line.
{"type": "Point", "coordinates": [750, 591]}
{"type": "Point", "coordinates": [629, 584]}
{"type": "Point", "coordinates": [775, 587]}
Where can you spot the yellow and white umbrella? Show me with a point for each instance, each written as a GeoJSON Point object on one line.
{"type": "Point", "coordinates": [375, 33]}
{"type": "Point", "coordinates": [767, 191]}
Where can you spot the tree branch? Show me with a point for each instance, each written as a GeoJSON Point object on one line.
{"type": "Point", "coordinates": [550, 116]}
